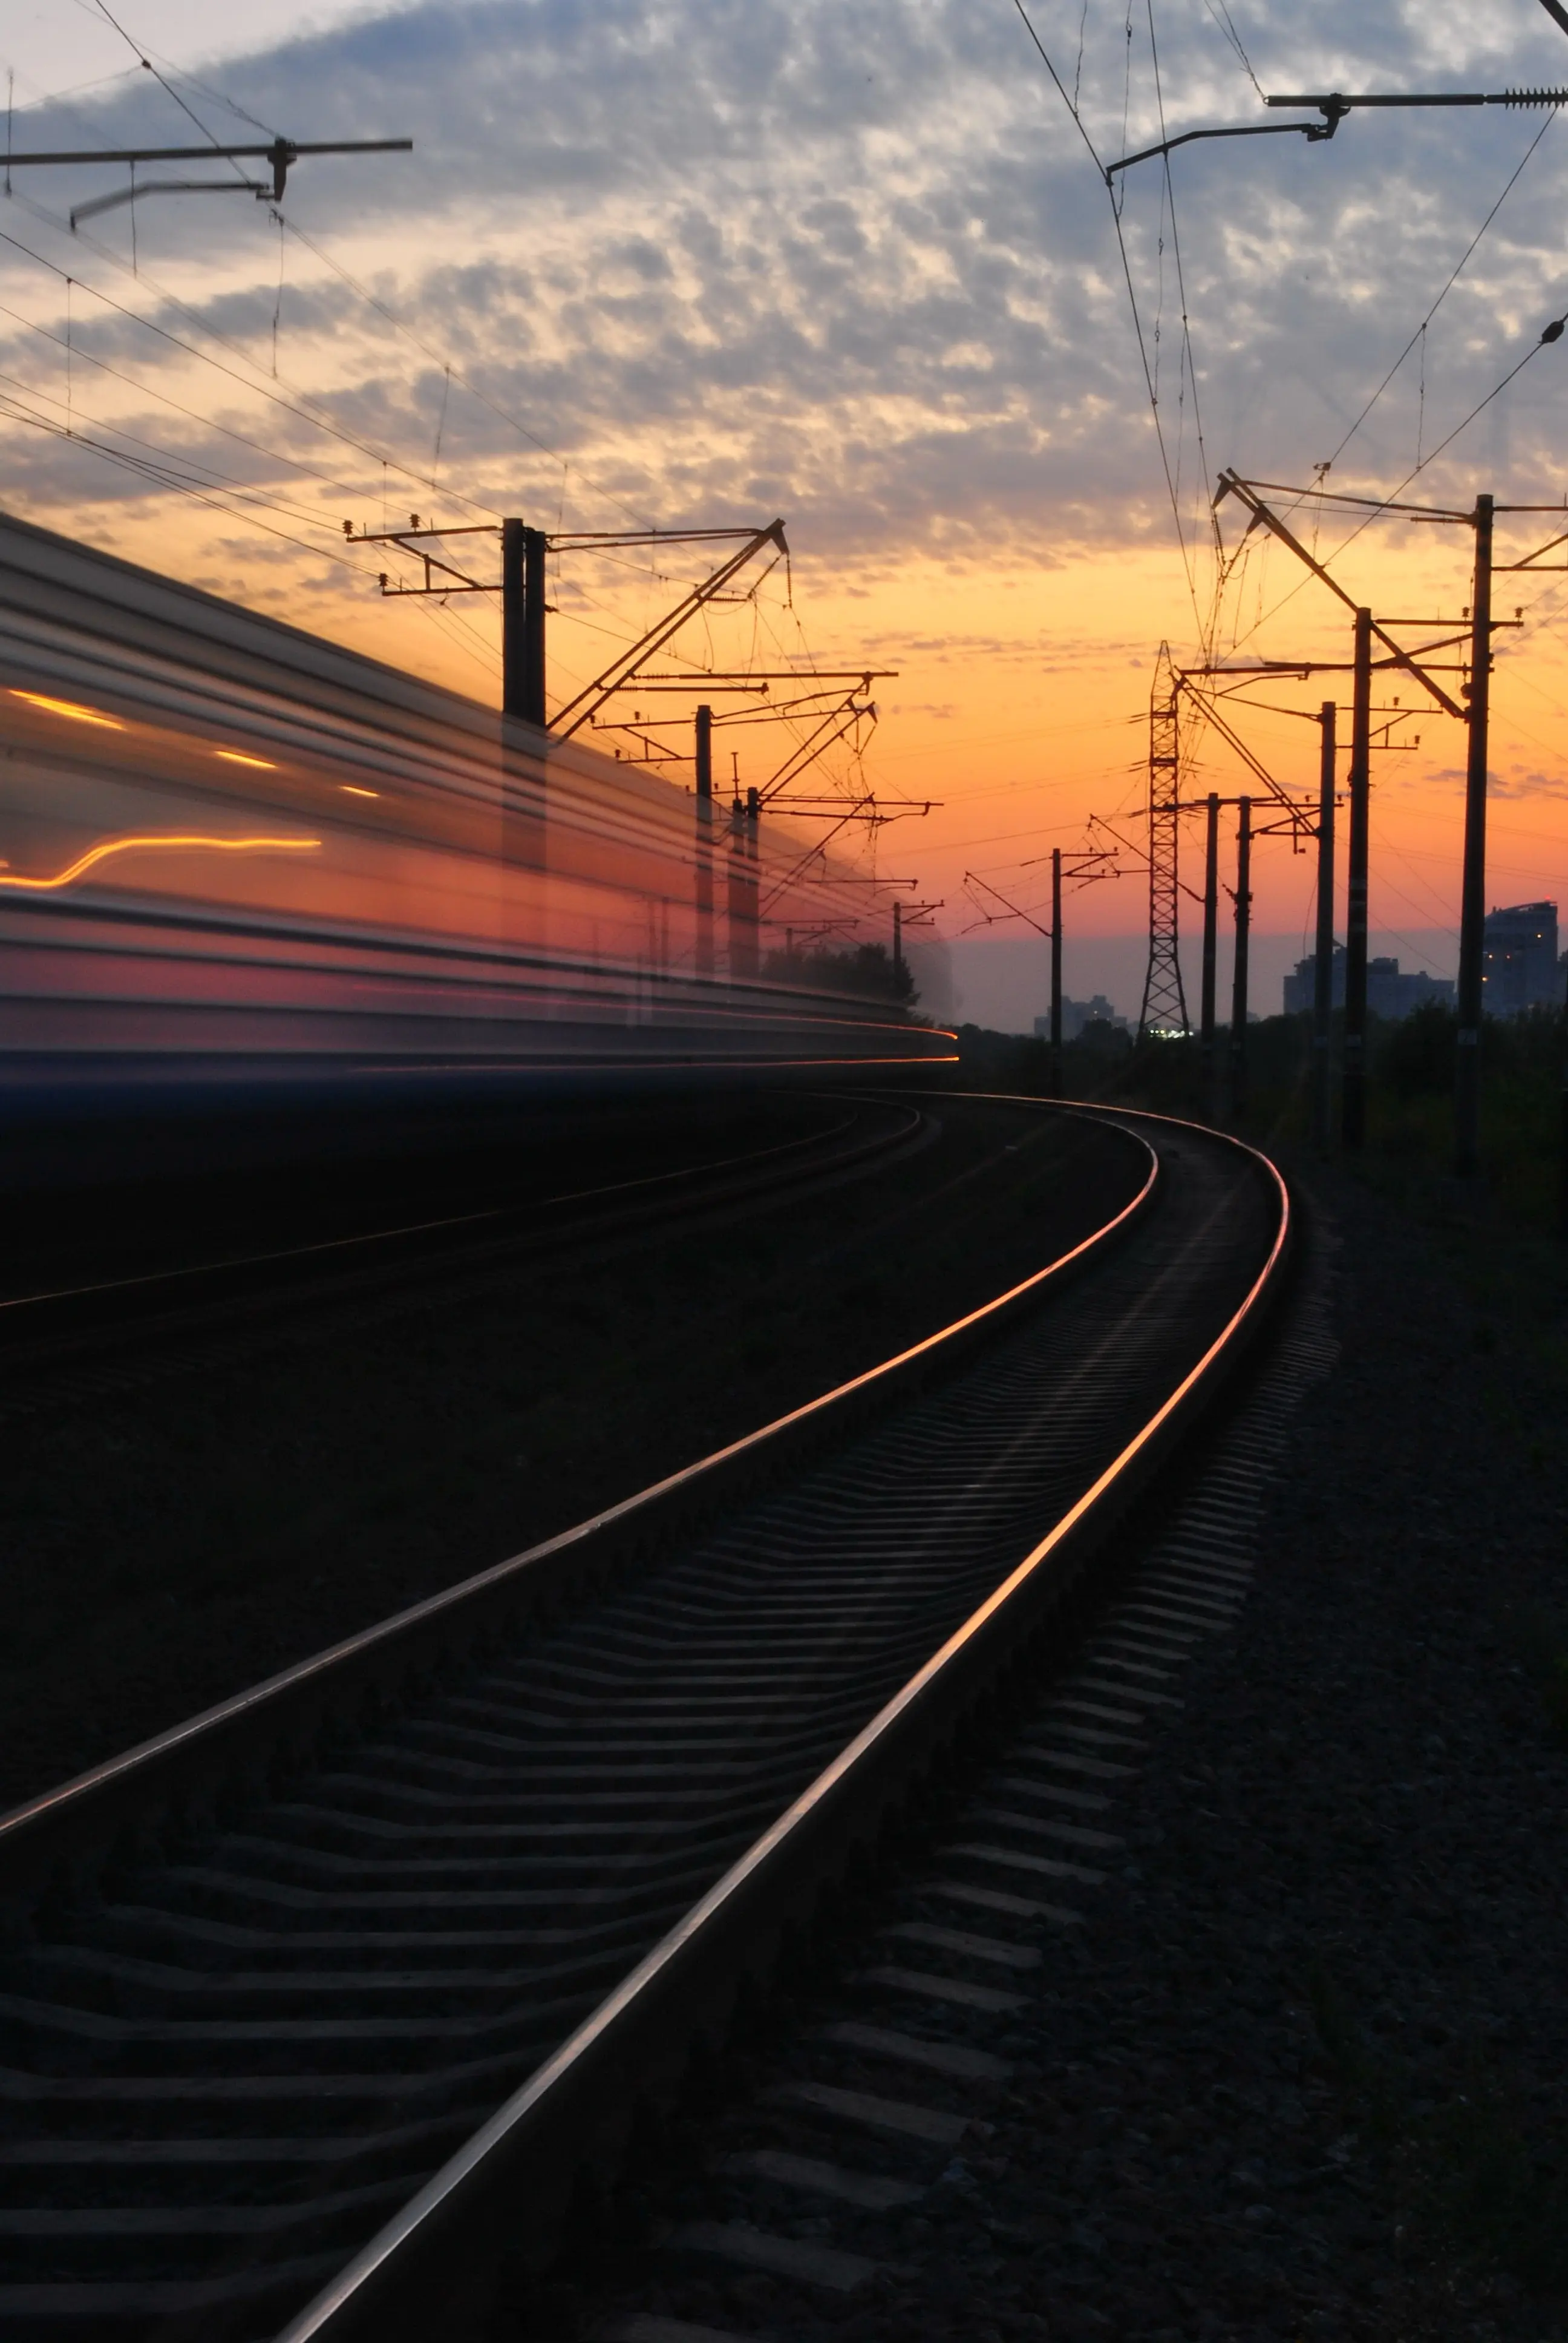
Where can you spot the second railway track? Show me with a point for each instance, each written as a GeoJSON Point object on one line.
{"type": "Point", "coordinates": [115, 1333]}
{"type": "Point", "coordinates": [318, 2000]}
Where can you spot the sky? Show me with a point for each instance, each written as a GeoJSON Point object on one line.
{"type": "Point", "coordinates": [702, 263]}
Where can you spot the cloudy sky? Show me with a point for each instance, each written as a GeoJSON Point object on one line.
{"type": "Point", "coordinates": [701, 262]}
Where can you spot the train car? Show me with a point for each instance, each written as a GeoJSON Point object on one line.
{"type": "Point", "coordinates": [237, 859]}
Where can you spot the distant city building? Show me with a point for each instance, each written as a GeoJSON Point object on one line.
{"type": "Point", "coordinates": [1083, 1021]}
{"type": "Point", "coordinates": [1390, 992]}
{"type": "Point", "coordinates": [1519, 959]}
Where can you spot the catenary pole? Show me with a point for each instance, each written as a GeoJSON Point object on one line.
{"type": "Point", "coordinates": [1354, 1099]}
{"type": "Point", "coordinates": [1243, 935]}
{"type": "Point", "coordinates": [1323, 985]}
{"type": "Point", "coordinates": [1055, 971]}
{"type": "Point", "coordinates": [533, 676]}
{"type": "Point", "coordinates": [514, 663]}
{"type": "Point", "coordinates": [704, 746]}
{"type": "Point", "coordinates": [1473, 900]}
{"type": "Point", "coordinates": [1211, 946]}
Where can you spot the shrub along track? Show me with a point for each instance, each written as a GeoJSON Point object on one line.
{"type": "Point", "coordinates": [236, 2045]}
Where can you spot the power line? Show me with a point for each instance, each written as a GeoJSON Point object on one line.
{"type": "Point", "coordinates": [1191, 372]}
{"type": "Point", "coordinates": [300, 406]}
{"type": "Point", "coordinates": [1170, 487]}
{"type": "Point", "coordinates": [1453, 278]}
{"type": "Point", "coordinates": [189, 111]}
{"type": "Point", "coordinates": [455, 373]}
{"type": "Point", "coordinates": [1221, 16]}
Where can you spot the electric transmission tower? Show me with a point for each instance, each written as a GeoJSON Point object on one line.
{"type": "Point", "coordinates": [1164, 1008]}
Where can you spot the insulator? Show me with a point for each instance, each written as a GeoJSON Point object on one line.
{"type": "Point", "coordinates": [1535, 97]}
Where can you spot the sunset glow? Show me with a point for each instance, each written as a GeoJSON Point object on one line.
{"type": "Point", "coordinates": [899, 318]}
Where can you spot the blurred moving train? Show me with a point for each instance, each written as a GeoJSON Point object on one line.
{"type": "Point", "coordinates": [237, 859]}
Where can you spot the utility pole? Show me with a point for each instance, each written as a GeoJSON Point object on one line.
{"type": "Point", "coordinates": [523, 622]}
{"type": "Point", "coordinates": [897, 943]}
{"type": "Point", "coordinates": [1083, 866]}
{"type": "Point", "coordinates": [1210, 942]}
{"type": "Point", "coordinates": [1473, 898]}
{"type": "Point", "coordinates": [1353, 1104]}
{"type": "Point", "coordinates": [534, 544]}
{"type": "Point", "coordinates": [1323, 985]}
{"type": "Point", "coordinates": [734, 885]}
{"type": "Point", "coordinates": [705, 841]}
{"type": "Point", "coordinates": [744, 846]}
{"type": "Point", "coordinates": [1243, 935]}
{"type": "Point", "coordinates": [1055, 971]}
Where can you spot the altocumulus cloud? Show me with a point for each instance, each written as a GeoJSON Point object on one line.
{"type": "Point", "coordinates": [855, 263]}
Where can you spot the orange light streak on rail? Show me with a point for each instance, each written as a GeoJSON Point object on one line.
{"type": "Point", "coordinates": [131, 845]}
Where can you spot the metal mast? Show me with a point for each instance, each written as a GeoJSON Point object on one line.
{"type": "Point", "coordinates": [1164, 1008]}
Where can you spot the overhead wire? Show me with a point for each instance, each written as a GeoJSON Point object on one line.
{"type": "Point", "coordinates": [1189, 374]}
{"type": "Point", "coordinates": [1454, 278]}
{"type": "Point", "coordinates": [1221, 16]}
{"type": "Point", "coordinates": [1425, 456]}
{"type": "Point", "coordinates": [399, 325]}
{"type": "Point", "coordinates": [1132, 299]}
{"type": "Point", "coordinates": [293, 401]}
{"type": "Point", "coordinates": [188, 111]}
{"type": "Point", "coordinates": [193, 477]}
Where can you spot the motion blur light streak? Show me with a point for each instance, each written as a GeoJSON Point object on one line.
{"type": "Point", "coordinates": [522, 907]}
{"type": "Point", "coordinates": [95, 854]}
{"type": "Point", "coordinates": [68, 708]}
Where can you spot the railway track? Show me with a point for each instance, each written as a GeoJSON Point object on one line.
{"type": "Point", "coordinates": [333, 1992]}
{"type": "Point", "coordinates": [86, 1341]}
{"type": "Point", "coordinates": [857, 2169]}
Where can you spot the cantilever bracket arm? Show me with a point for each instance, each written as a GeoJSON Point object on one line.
{"type": "Point", "coordinates": [1311, 131]}
{"type": "Point", "coordinates": [133, 194]}
{"type": "Point", "coordinates": [1228, 732]}
{"type": "Point", "coordinates": [592, 698]}
{"type": "Point", "coordinates": [1232, 485]}
{"type": "Point", "coordinates": [829, 729]}
{"type": "Point", "coordinates": [1333, 105]}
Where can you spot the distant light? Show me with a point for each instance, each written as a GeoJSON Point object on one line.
{"type": "Point", "coordinates": [349, 791]}
{"type": "Point", "coordinates": [69, 708]}
{"type": "Point", "coordinates": [236, 757]}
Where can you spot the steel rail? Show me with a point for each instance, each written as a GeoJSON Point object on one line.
{"type": "Point", "coordinates": [509, 2185]}
{"type": "Point", "coordinates": [133, 1792]}
{"type": "Point", "coordinates": [27, 1316]}
{"type": "Point", "coordinates": [662, 1784]}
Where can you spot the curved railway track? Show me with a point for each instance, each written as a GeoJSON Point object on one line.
{"type": "Point", "coordinates": [333, 1991]}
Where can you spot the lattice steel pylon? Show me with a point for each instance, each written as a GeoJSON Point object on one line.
{"type": "Point", "coordinates": [1164, 1008]}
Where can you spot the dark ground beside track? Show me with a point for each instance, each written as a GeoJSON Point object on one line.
{"type": "Point", "coordinates": [1305, 2074]}
{"type": "Point", "coordinates": [168, 1543]}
